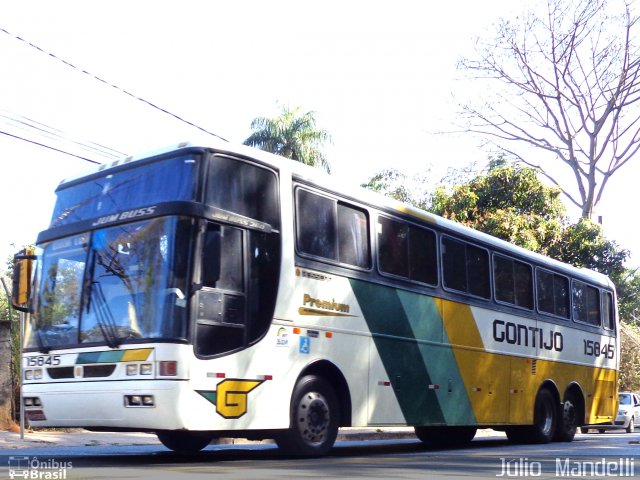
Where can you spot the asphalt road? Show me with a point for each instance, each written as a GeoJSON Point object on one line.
{"type": "Point", "coordinates": [588, 456]}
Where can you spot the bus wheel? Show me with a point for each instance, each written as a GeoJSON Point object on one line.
{"type": "Point", "coordinates": [568, 422]}
{"type": "Point", "coordinates": [184, 442]}
{"type": "Point", "coordinates": [544, 425]}
{"type": "Point", "coordinates": [445, 436]}
{"type": "Point", "coordinates": [314, 419]}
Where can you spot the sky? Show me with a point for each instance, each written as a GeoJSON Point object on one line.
{"type": "Point", "coordinates": [381, 77]}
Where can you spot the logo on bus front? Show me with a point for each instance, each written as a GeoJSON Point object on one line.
{"type": "Point", "coordinates": [230, 396]}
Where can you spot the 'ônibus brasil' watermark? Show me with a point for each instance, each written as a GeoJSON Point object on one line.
{"type": "Point", "coordinates": [567, 467]}
{"type": "Point", "coordinates": [38, 469]}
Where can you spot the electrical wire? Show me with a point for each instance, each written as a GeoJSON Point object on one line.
{"type": "Point", "coordinates": [49, 147]}
{"type": "Point", "coordinates": [101, 80]}
{"type": "Point", "coordinates": [39, 128]}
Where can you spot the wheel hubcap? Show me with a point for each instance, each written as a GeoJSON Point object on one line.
{"type": "Point", "coordinates": [313, 418]}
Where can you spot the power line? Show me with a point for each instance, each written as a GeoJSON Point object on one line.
{"type": "Point", "coordinates": [49, 147]}
{"type": "Point", "coordinates": [39, 128]}
{"type": "Point", "coordinates": [101, 80]}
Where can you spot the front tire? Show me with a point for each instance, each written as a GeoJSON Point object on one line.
{"type": "Point", "coordinates": [184, 442]}
{"type": "Point", "coordinates": [314, 419]}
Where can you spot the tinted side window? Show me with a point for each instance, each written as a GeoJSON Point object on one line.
{"type": "Point", "coordinates": [513, 282]}
{"type": "Point", "coordinates": [353, 236]}
{"type": "Point", "coordinates": [586, 304]}
{"type": "Point", "coordinates": [552, 293]}
{"type": "Point", "coordinates": [393, 247]}
{"type": "Point", "coordinates": [608, 318]}
{"type": "Point", "coordinates": [316, 225]}
{"type": "Point", "coordinates": [243, 188]}
{"type": "Point", "coordinates": [332, 230]}
{"type": "Point", "coordinates": [466, 268]}
{"type": "Point", "coordinates": [454, 264]}
{"type": "Point", "coordinates": [407, 251]}
{"type": "Point", "coordinates": [423, 257]}
{"type": "Point", "coordinates": [478, 271]}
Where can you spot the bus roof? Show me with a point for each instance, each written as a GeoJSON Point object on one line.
{"type": "Point", "coordinates": [349, 189]}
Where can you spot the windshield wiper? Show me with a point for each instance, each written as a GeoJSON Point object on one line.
{"type": "Point", "coordinates": [42, 346]}
{"type": "Point", "coordinates": [104, 317]}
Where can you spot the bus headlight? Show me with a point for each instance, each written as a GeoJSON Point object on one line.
{"type": "Point", "coordinates": [132, 369]}
{"type": "Point", "coordinates": [146, 369]}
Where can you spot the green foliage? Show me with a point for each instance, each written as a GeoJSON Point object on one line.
{"type": "Point", "coordinates": [628, 290]}
{"type": "Point", "coordinates": [584, 245]}
{"type": "Point", "coordinates": [629, 375]}
{"type": "Point", "coordinates": [395, 184]}
{"type": "Point", "coordinates": [9, 314]}
{"type": "Point", "coordinates": [508, 202]}
{"type": "Point", "coordinates": [292, 134]}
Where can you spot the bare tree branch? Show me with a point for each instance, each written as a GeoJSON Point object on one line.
{"type": "Point", "coordinates": [569, 84]}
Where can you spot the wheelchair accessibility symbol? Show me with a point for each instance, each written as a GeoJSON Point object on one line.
{"type": "Point", "coordinates": [305, 344]}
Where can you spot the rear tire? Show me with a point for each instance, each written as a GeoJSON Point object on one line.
{"type": "Point", "coordinates": [545, 421]}
{"type": "Point", "coordinates": [584, 430]}
{"type": "Point", "coordinates": [567, 421]}
{"type": "Point", "coordinates": [183, 441]}
{"type": "Point", "coordinates": [445, 436]}
{"type": "Point", "coordinates": [314, 419]}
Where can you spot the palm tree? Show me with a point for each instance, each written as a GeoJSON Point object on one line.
{"type": "Point", "coordinates": [293, 135]}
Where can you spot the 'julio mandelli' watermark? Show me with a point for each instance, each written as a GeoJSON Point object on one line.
{"type": "Point", "coordinates": [568, 467]}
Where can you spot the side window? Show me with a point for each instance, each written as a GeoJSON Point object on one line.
{"type": "Point", "coordinates": [465, 268]}
{"type": "Point", "coordinates": [316, 224]}
{"type": "Point", "coordinates": [243, 188]}
{"type": "Point", "coordinates": [586, 304]}
{"type": "Point", "coordinates": [332, 230]}
{"type": "Point", "coordinates": [513, 282]}
{"type": "Point", "coordinates": [393, 247]}
{"type": "Point", "coordinates": [353, 236]}
{"type": "Point", "coordinates": [552, 293]}
{"type": "Point", "coordinates": [608, 316]}
{"type": "Point", "coordinates": [407, 251]}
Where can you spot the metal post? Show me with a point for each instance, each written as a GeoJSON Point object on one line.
{"type": "Point", "coordinates": [22, 319]}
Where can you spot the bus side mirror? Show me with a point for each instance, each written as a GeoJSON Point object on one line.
{"type": "Point", "coordinates": [22, 267]}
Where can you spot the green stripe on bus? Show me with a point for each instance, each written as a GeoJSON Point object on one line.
{"type": "Point", "coordinates": [402, 359]}
{"type": "Point", "coordinates": [100, 357]}
{"type": "Point", "coordinates": [439, 359]}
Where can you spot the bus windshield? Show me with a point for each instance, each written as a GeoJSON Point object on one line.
{"type": "Point", "coordinates": [141, 186]}
{"type": "Point", "coordinates": [134, 278]}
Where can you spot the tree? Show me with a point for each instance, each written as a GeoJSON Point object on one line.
{"type": "Point", "coordinates": [570, 81]}
{"type": "Point", "coordinates": [394, 184]}
{"type": "Point", "coordinates": [9, 356]}
{"type": "Point", "coordinates": [508, 202]}
{"type": "Point", "coordinates": [291, 134]}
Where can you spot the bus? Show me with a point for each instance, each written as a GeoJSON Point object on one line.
{"type": "Point", "coordinates": [218, 291]}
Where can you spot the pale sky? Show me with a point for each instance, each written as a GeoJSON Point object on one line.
{"type": "Point", "coordinates": [380, 76]}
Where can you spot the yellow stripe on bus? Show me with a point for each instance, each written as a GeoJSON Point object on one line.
{"type": "Point", "coordinates": [137, 355]}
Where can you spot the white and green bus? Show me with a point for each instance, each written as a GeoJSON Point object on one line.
{"type": "Point", "coordinates": [205, 292]}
